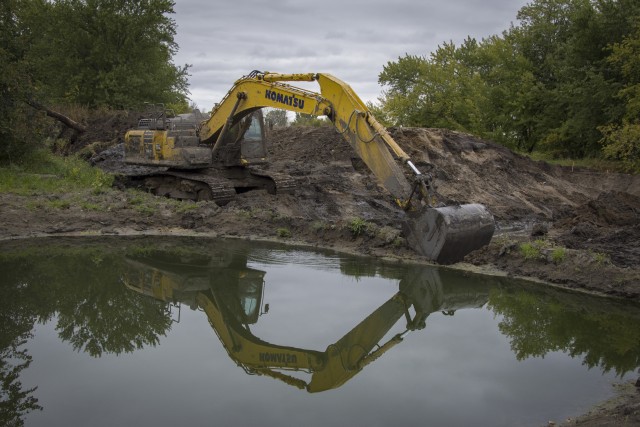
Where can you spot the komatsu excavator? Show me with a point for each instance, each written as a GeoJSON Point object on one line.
{"type": "Point", "coordinates": [231, 295]}
{"type": "Point", "coordinates": [225, 154]}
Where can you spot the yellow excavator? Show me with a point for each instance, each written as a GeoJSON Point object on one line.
{"type": "Point", "coordinates": [219, 156]}
{"type": "Point", "coordinates": [231, 294]}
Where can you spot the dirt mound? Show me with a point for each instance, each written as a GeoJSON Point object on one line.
{"type": "Point", "coordinates": [104, 128]}
{"type": "Point", "coordinates": [467, 169]}
{"type": "Point", "coordinates": [609, 209]}
{"type": "Point", "coordinates": [514, 187]}
{"type": "Point", "coordinates": [520, 192]}
{"type": "Point", "coordinates": [108, 126]}
{"type": "Point", "coordinates": [609, 224]}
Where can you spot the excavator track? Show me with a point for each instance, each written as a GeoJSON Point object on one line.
{"type": "Point", "coordinates": [283, 183]}
{"type": "Point", "coordinates": [190, 186]}
{"type": "Point", "coordinates": [201, 186]}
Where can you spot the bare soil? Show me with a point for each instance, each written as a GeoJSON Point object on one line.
{"type": "Point", "coordinates": [584, 225]}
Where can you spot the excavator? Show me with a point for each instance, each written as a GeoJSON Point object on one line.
{"type": "Point", "coordinates": [225, 154]}
{"type": "Point", "coordinates": [232, 297]}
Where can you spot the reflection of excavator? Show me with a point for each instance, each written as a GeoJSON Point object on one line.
{"type": "Point", "coordinates": [225, 154]}
{"type": "Point", "coordinates": [231, 296]}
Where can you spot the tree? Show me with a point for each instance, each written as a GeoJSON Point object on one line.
{"type": "Point", "coordinates": [19, 124]}
{"type": "Point", "coordinates": [113, 53]}
{"type": "Point", "coordinates": [400, 100]}
{"type": "Point", "coordinates": [622, 140]}
{"type": "Point", "coordinates": [309, 120]}
{"type": "Point", "coordinates": [567, 42]}
{"type": "Point", "coordinates": [545, 84]}
{"type": "Point", "coordinates": [474, 87]}
{"type": "Point", "coordinates": [96, 53]}
{"type": "Point", "coordinates": [275, 117]}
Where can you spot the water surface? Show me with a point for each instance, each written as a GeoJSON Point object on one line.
{"type": "Point", "coordinates": [222, 332]}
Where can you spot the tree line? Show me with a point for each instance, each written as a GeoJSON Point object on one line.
{"type": "Point", "coordinates": [92, 53]}
{"type": "Point", "coordinates": [565, 80]}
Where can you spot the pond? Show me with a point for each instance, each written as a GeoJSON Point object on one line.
{"type": "Point", "coordinates": [186, 331]}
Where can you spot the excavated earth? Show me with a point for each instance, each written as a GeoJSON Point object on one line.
{"type": "Point", "coordinates": [593, 217]}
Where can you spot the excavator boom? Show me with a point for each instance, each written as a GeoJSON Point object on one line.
{"type": "Point", "coordinates": [336, 100]}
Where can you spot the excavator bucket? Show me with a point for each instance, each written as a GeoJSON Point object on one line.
{"type": "Point", "coordinates": [445, 235]}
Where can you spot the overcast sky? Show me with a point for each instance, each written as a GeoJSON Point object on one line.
{"type": "Point", "coordinates": [351, 39]}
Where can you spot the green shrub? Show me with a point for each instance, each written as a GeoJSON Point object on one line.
{"type": "Point", "coordinates": [530, 250]}
{"type": "Point", "coordinates": [144, 209]}
{"type": "Point", "coordinates": [358, 226]}
{"type": "Point", "coordinates": [601, 258]}
{"type": "Point", "coordinates": [558, 255]}
{"type": "Point", "coordinates": [184, 206]}
{"type": "Point", "coordinates": [283, 233]}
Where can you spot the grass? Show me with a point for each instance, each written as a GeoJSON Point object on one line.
{"type": "Point", "coordinates": [283, 233]}
{"type": "Point", "coordinates": [135, 197]}
{"type": "Point", "coordinates": [46, 173]}
{"type": "Point", "coordinates": [184, 206]}
{"type": "Point", "coordinates": [558, 255]}
{"type": "Point", "coordinates": [59, 204]}
{"type": "Point", "coordinates": [89, 206]}
{"type": "Point", "coordinates": [65, 180]}
{"type": "Point", "coordinates": [66, 203]}
{"type": "Point", "coordinates": [530, 250]}
{"type": "Point", "coordinates": [601, 258]}
{"type": "Point", "coordinates": [542, 249]}
{"type": "Point", "coordinates": [601, 165]}
{"type": "Point", "coordinates": [358, 226]}
{"type": "Point", "coordinates": [145, 209]}
{"type": "Point", "coordinates": [143, 203]}
{"type": "Point", "coordinates": [318, 226]}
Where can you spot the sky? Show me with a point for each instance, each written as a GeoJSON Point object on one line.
{"type": "Point", "coordinates": [350, 39]}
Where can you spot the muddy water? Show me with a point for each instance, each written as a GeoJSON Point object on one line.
{"type": "Point", "coordinates": [169, 332]}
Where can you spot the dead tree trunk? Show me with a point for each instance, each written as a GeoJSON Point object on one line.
{"type": "Point", "coordinates": [58, 116]}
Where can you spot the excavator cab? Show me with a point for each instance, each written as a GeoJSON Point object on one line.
{"type": "Point", "coordinates": [253, 147]}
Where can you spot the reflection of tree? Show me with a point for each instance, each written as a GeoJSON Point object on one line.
{"type": "Point", "coordinates": [16, 322]}
{"type": "Point", "coordinates": [95, 312]}
{"type": "Point", "coordinates": [96, 315]}
{"type": "Point", "coordinates": [15, 402]}
{"type": "Point", "coordinates": [108, 321]}
{"type": "Point", "coordinates": [600, 332]}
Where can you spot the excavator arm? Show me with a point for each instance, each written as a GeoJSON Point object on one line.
{"type": "Point", "coordinates": [336, 100]}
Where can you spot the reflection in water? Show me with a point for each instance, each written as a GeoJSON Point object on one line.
{"type": "Point", "coordinates": [15, 329]}
{"type": "Point", "coordinates": [80, 289]}
{"type": "Point", "coordinates": [231, 294]}
{"type": "Point", "coordinates": [602, 335]}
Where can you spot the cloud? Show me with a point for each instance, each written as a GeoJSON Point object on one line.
{"type": "Point", "coordinates": [352, 40]}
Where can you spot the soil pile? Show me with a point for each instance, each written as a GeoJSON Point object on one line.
{"type": "Point", "coordinates": [521, 193]}
{"type": "Point", "coordinates": [609, 224]}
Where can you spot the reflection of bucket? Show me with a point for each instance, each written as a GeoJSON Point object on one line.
{"type": "Point", "coordinates": [445, 235]}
